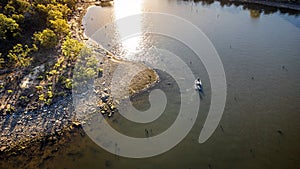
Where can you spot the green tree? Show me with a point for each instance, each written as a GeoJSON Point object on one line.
{"type": "Point", "coordinates": [20, 55]}
{"type": "Point", "coordinates": [17, 7]}
{"type": "Point", "coordinates": [86, 69]}
{"type": "Point", "coordinates": [52, 11]}
{"type": "Point", "coordinates": [47, 38]}
{"type": "Point", "coordinates": [19, 18]}
{"type": "Point", "coordinates": [54, 14]}
{"type": "Point", "coordinates": [8, 27]}
{"type": "Point", "coordinates": [60, 26]}
{"type": "Point", "coordinates": [41, 12]}
{"type": "Point", "coordinates": [59, 7]}
{"type": "Point", "coordinates": [71, 48]}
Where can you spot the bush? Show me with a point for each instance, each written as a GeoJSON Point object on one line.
{"type": "Point", "coordinates": [50, 94]}
{"type": "Point", "coordinates": [41, 12]}
{"type": "Point", "coordinates": [42, 97]}
{"type": "Point", "coordinates": [19, 18]}
{"type": "Point", "coordinates": [60, 26]}
{"type": "Point", "coordinates": [39, 88]}
{"type": "Point", "coordinates": [68, 83]}
{"type": "Point", "coordinates": [17, 7]}
{"type": "Point", "coordinates": [8, 27]}
{"type": "Point", "coordinates": [71, 48]}
{"type": "Point", "coordinates": [19, 55]}
{"type": "Point", "coordinates": [47, 38]}
{"type": "Point", "coordinates": [54, 14]}
{"type": "Point", "coordinates": [86, 68]}
{"type": "Point", "coordinates": [63, 9]}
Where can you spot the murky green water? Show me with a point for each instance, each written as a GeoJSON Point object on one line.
{"type": "Point", "coordinates": [260, 125]}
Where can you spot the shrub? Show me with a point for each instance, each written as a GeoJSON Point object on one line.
{"type": "Point", "coordinates": [54, 14]}
{"type": "Point", "coordinates": [68, 83]}
{"type": "Point", "coordinates": [49, 94]}
{"type": "Point", "coordinates": [71, 48]}
{"type": "Point", "coordinates": [19, 18]}
{"type": "Point", "coordinates": [40, 88]}
{"type": "Point", "coordinates": [60, 7]}
{"type": "Point", "coordinates": [87, 66]}
{"type": "Point", "coordinates": [59, 63]}
{"type": "Point", "coordinates": [60, 26]}
{"type": "Point", "coordinates": [8, 27]}
{"type": "Point", "coordinates": [19, 55]}
{"type": "Point", "coordinates": [51, 11]}
{"type": "Point", "coordinates": [16, 7]}
{"type": "Point", "coordinates": [42, 97]}
{"type": "Point", "coordinates": [41, 11]}
{"type": "Point", "coordinates": [47, 38]}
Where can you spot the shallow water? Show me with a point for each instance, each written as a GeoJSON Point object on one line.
{"type": "Point", "coordinates": [260, 125]}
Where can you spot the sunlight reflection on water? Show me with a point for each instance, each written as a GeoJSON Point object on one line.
{"type": "Point", "coordinates": [123, 9]}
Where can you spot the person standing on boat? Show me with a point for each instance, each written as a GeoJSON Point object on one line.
{"type": "Point", "coordinates": [198, 84]}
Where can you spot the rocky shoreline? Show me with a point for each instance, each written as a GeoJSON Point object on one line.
{"type": "Point", "coordinates": [19, 130]}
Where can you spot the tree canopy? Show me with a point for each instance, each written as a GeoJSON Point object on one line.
{"type": "Point", "coordinates": [8, 28]}
{"type": "Point", "coordinates": [46, 38]}
{"type": "Point", "coordinates": [30, 24]}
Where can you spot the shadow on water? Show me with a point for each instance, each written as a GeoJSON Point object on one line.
{"type": "Point", "coordinates": [201, 93]}
{"type": "Point", "coordinates": [141, 102]}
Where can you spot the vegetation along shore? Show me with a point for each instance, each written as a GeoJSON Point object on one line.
{"type": "Point", "coordinates": [40, 42]}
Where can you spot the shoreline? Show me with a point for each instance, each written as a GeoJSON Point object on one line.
{"type": "Point", "coordinates": [20, 129]}
{"type": "Point", "coordinates": [277, 4]}
{"type": "Point", "coordinates": [58, 126]}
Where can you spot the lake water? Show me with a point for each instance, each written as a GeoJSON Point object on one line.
{"type": "Point", "coordinates": [260, 124]}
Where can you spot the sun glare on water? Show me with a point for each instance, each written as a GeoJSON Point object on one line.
{"type": "Point", "coordinates": [125, 8]}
